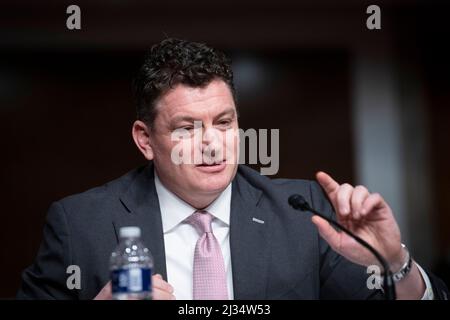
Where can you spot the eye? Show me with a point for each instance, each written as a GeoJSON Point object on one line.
{"type": "Point", "coordinates": [187, 127]}
{"type": "Point", "coordinates": [184, 131]}
{"type": "Point", "coordinates": [225, 122]}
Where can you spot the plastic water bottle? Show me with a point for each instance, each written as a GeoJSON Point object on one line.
{"type": "Point", "coordinates": [131, 267]}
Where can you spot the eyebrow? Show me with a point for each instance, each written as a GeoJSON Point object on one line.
{"type": "Point", "coordinates": [181, 118]}
{"type": "Point", "coordinates": [230, 111]}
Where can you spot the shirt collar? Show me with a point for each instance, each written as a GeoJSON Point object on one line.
{"type": "Point", "coordinates": [174, 210]}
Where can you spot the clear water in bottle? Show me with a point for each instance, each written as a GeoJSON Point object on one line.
{"type": "Point", "coordinates": [131, 267]}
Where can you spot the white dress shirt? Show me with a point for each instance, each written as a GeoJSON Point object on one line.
{"type": "Point", "coordinates": [180, 238]}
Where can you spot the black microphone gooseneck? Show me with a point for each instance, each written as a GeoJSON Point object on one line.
{"type": "Point", "coordinates": [299, 203]}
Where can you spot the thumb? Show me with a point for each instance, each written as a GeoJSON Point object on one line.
{"type": "Point", "coordinates": [327, 232]}
{"type": "Point", "coordinates": [105, 293]}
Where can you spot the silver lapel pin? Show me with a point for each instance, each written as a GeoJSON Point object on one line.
{"type": "Point", "coordinates": [257, 220]}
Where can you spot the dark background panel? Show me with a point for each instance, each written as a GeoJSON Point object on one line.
{"type": "Point", "coordinates": [66, 106]}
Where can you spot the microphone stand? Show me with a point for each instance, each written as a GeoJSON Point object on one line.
{"type": "Point", "coordinates": [299, 203]}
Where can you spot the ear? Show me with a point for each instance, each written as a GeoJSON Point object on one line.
{"type": "Point", "coordinates": [141, 137]}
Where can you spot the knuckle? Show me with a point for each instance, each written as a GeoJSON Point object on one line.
{"type": "Point", "coordinates": [158, 285]}
{"type": "Point", "coordinates": [346, 186]}
{"type": "Point", "coordinates": [361, 188]}
{"type": "Point", "coordinates": [162, 285]}
{"type": "Point", "coordinates": [376, 195]}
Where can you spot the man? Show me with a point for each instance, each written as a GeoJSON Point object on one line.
{"type": "Point", "coordinates": [216, 230]}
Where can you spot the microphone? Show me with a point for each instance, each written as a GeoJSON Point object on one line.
{"type": "Point", "coordinates": [298, 202]}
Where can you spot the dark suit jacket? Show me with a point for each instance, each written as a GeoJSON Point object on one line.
{"type": "Point", "coordinates": [284, 258]}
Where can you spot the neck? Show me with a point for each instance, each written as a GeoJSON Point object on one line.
{"type": "Point", "coordinates": [199, 202]}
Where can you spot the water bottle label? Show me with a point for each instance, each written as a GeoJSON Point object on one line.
{"type": "Point", "coordinates": [131, 280]}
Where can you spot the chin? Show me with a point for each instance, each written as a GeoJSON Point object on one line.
{"type": "Point", "coordinates": [212, 184]}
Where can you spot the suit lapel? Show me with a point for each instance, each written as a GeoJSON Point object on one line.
{"type": "Point", "coordinates": [249, 241]}
{"type": "Point", "coordinates": [141, 202]}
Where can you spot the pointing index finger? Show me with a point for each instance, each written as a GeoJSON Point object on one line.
{"type": "Point", "coordinates": [327, 182]}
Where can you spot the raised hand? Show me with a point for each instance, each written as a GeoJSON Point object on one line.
{"type": "Point", "coordinates": [365, 214]}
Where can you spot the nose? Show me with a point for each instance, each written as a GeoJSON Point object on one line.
{"type": "Point", "coordinates": [211, 142]}
{"type": "Point", "coordinates": [210, 135]}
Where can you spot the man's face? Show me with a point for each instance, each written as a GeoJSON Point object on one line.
{"type": "Point", "coordinates": [184, 108]}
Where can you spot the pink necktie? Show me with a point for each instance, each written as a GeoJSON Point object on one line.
{"type": "Point", "coordinates": [209, 270]}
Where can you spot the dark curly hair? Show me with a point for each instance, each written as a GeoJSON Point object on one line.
{"type": "Point", "coordinates": [175, 61]}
